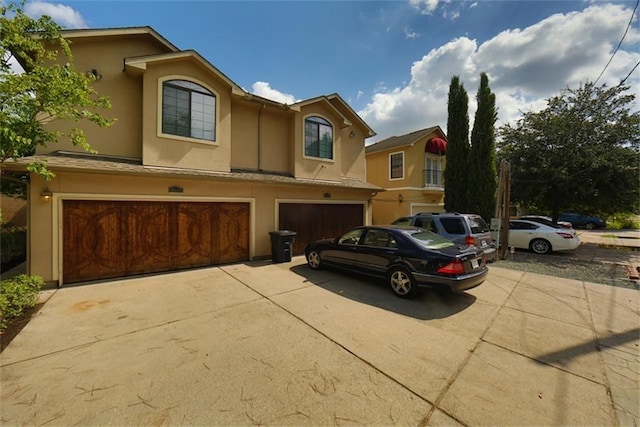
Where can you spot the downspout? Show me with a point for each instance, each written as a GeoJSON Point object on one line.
{"type": "Point", "coordinates": [260, 138]}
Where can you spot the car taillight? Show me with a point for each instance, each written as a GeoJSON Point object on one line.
{"type": "Point", "coordinates": [454, 267]}
{"type": "Point", "coordinates": [469, 241]}
{"type": "Point", "coordinates": [565, 235]}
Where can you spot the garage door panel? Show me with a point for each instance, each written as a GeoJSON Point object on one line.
{"type": "Point", "coordinates": [233, 232]}
{"type": "Point", "coordinates": [147, 243]}
{"type": "Point", "coordinates": [92, 229]}
{"type": "Point", "coordinates": [195, 246]}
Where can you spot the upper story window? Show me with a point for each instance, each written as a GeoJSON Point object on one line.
{"type": "Point", "coordinates": [318, 138]}
{"type": "Point", "coordinates": [396, 165]}
{"type": "Point", "coordinates": [189, 110]}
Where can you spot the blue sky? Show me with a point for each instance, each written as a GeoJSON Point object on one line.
{"type": "Point", "coordinates": [391, 60]}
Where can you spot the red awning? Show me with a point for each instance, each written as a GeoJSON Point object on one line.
{"type": "Point", "coordinates": [436, 146]}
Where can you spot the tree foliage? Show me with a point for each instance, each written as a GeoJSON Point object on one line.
{"type": "Point", "coordinates": [48, 89]}
{"type": "Point", "coordinates": [580, 153]}
{"type": "Point", "coordinates": [482, 158]}
{"type": "Point", "coordinates": [456, 171]}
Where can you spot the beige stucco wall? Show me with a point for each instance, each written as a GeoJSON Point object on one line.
{"type": "Point", "coordinates": [45, 231]}
{"type": "Point", "coordinates": [261, 137]}
{"type": "Point", "coordinates": [408, 195]}
{"type": "Point", "coordinates": [123, 91]}
{"type": "Point", "coordinates": [173, 151]}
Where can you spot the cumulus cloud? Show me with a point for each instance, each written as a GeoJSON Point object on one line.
{"type": "Point", "coordinates": [426, 7]}
{"type": "Point", "coordinates": [63, 15]}
{"type": "Point", "coordinates": [265, 90]}
{"type": "Point", "coordinates": [525, 67]}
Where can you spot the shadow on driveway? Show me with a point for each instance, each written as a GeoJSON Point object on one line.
{"type": "Point", "coordinates": [427, 304]}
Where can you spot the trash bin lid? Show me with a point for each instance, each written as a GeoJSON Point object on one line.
{"type": "Point", "coordinates": [282, 233]}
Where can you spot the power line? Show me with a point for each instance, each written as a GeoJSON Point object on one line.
{"type": "Point", "coordinates": [620, 43]}
{"type": "Point", "coordinates": [632, 70]}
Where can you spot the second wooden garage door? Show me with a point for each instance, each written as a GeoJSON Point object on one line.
{"type": "Point", "coordinates": [314, 221]}
{"type": "Point", "coordinates": [107, 239]}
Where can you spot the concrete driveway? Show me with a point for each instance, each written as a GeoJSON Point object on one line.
{"type": "Point", "coordinates": [279, 344]}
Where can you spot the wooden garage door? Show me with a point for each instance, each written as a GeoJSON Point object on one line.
{"type": "Point", "coordinates": [316, 221]}
{"type": "Point", "coordinates": [107, 239]}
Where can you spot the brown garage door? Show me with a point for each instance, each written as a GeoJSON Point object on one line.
{"type": "Point", "coordinates": [314, 221]}
{"type": "Point", "coordinates": [106, 239]}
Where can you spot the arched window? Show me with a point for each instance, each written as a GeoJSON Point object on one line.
{"type": "Point", "coordinates": [188, 109]}
{"type": "Point", "coordinates": [318, 138]}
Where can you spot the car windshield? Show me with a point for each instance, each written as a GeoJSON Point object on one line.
{"type": "Point", "coordinates": [478, 225]}
{"type": "Point", "coordinates": [431, 240]}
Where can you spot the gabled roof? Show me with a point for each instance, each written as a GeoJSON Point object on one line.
{"type": "Point", "coordinates": [337, 104]}
{"type": "Point", "coordinates": [120, 32]}
{"type": "Point", "coordinates": [140, 64]}
{"type": "Point", "coordinates": [408, 139]}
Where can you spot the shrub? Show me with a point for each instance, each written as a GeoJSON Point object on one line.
{"type": "Point", "coordinates": [623, 221]}
{"type": "Point", "coordinates": [16, 295]}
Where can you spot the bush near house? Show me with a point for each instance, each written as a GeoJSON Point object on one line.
{"type": "Point", "coordinates": [624, 221]}
{"type": "Point", "coordinates": [16, 295]}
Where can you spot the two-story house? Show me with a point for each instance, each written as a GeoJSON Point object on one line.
{"type": "Point", "coordinates": [409, 168]}
{"type": "Point", "coordinates": [195, 171]}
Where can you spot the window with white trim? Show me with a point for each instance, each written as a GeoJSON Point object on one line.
{"type": "Point", "coordinates": [318, 138]}
{"type": "Point", "coordinates": [188, 110]}
{"type": "Point", "coordinates": [396, 165]}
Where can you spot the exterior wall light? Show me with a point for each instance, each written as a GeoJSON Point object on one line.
{"type": "Point", "coordinates": [46, 195]}
{"type": "Point", "coordinates": [95, 73]}
{"type": "Point", "coordinates": [352, 134]}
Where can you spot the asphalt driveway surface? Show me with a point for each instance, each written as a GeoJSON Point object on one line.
{"type": "Point", "coordinates": [279, 344]}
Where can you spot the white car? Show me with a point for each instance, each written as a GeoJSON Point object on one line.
{"type": "Point", "coordinates": [546, 220]}
{"type": "Point", "coordinates": [540, 238]}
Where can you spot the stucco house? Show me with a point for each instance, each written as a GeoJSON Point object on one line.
{"type": "Point", "coordinates": [409, 167]}
{"type": "Point", "coordinates": [195, 171]}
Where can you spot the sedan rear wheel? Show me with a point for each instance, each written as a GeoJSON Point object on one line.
{"type": "Point", "coordinates": [401, 282]}
{"type": "Point", "coordinates": [313, 259]}
{"type": "Point", "coordinates": [540, 246]}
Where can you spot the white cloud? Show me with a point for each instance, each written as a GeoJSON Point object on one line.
{"type": "Point", "coordinates": [265, 90]}
{"type": "Point", "coordinates": [525, 67]}
{"type": "Point", "coordinates": [426, 7]}
{"type": "Point", "coordinates": [63, 15]}
{"type": "Point", "coordinates": [410, 34]}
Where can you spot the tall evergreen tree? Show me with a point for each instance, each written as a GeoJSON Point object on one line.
{"type": "Point", "coordinates": [482, 159]}
{"type": "Point", "coordinates": [456, 169]}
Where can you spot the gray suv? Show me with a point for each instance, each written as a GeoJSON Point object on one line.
{"type": "Point", "coordinates": [463, 229]}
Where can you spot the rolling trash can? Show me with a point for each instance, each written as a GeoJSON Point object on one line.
{"type": "Point", "coordinates": [281, 245]}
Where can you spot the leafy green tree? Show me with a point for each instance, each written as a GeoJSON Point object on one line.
{"type": "Point", "coordinates": [456, 170]}
{"type": "Point", "coordinates": [482, 158]}
{"type": "Point", "coordinates": [49, 88]}
{"type": "Point", "coordinates": [582, 152]}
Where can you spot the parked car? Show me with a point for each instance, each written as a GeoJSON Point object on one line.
{"type": "Point", "coordinates": [546, 220]}
{"type": "Point", "coordinates": [463, 229]}
{"type": "Point", "coordinates": [582, 221]}
{"type": "Point", "coordinates": [540, 238]}
{"type": "Point", "coordinates": [406, 257]}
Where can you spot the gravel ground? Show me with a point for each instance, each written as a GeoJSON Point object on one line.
{"type": "Point", "coordinates": [570, 267]}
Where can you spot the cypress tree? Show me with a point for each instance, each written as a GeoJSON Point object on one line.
{"type": "Point", "coordinates": [482, 159]}
{"type": "Point", "coordinates": [456, 169]}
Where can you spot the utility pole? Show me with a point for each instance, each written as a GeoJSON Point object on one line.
{"type": "Point", "coordinates": [502, 207]}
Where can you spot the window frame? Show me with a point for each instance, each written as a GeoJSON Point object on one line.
{"type": "Point", "coordinates": [431, 159]}
{"type": "Point", "coordinates": [160, 105]}
{"type": "Point", "coordinates": [391, 166]}
{"type": "Point", "coordinates": [304, 138]}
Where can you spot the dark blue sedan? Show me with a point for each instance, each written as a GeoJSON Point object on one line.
{"type": "Point", "coordinates": [406, 257]}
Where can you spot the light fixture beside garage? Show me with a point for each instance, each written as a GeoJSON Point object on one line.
{"type": "Point", "coordinates": [46, 195]}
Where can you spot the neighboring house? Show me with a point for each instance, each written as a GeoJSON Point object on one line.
{"type": "Point", "coordinates": [195, 171]}
{"type": "Point", "coordinates": [409, 168]}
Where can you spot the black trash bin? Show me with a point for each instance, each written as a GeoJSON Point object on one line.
{"type": "Point", "coordinates": [282, 245]}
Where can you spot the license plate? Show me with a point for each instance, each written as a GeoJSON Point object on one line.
{"type": "Point", "coordinates": [475, 263]}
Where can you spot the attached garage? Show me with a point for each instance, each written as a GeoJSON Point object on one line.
{"type": "Point", "coordinates": [314, 221]}
{"type": "Point", "coordinates": [108, 239]}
